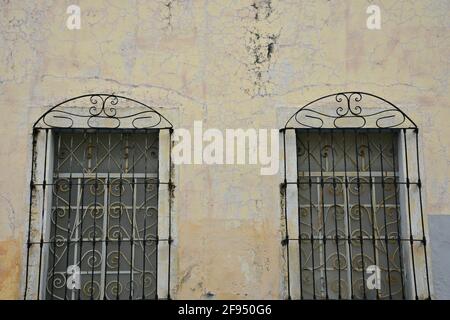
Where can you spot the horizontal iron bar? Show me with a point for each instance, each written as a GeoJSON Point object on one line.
{"type": "Point", "coordinates": [349, 174]}
{"type": "Point", "coordinates": [353, 239]}
{"type": "Point", "coordinates": [104, 175]}
{"type": "Point", "coordinates": [112, 130]}
{"type": "Point", "coordinates": [111, 184]}
{"type": "Point", "coordinates": [350, 129]}
{"type": "Point", "coordinates": [111, 207]}
{"type": "Point", "coordinates": [107, 272]}
{"type": "Point", "coordinates": [354, 268]}
{"type": "Point", "coordinates": [353, 182]}
{"type": "Point", "coordinates": [99, 240]}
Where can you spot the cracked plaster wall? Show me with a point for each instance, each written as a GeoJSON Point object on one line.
{"type": "Point", "coordinates": [230, 64]}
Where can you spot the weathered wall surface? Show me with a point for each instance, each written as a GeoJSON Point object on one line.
{"type": "Point", "coordinates": [440, 240]}
{"type": "Point", "coordinates": [230, 64]}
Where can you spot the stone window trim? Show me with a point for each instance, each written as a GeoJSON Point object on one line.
{"type": "Point", "coordinates": [91, 113]}
{"type": "Point", "coordinates": [355, 111]}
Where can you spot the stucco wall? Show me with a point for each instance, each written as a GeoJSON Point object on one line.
{"type": "Point", "coordinates": [440, 244]}
{"type": "Point", "coordinates": [230, 64]}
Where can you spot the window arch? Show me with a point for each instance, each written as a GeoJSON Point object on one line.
{"type": "Point", "coordinates": [100, 214]}
{"type": "Point", "coordinates": [354, 226]}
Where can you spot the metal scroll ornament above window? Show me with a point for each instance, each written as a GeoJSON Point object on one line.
{"type": "Point", "coordinates": [102, 111]}
{"type": "Point", "coordinates": [350, 110]}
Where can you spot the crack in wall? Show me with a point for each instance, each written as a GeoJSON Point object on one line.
{"type": "Point", "coordinates": [169, 15]}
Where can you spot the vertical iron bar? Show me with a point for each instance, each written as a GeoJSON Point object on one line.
{"type": "Point", "coordinates": [399, 242]}
{"type": "Point", "coordinates": [298, 217]}
{"type": "Point", "coordinates": [122, 168]}
{"type": "Point", "coordinates": [143, 253]}
{"type": "Point", "coordinates": [372, 209]}
{"type": "Point", "coordinates": [386, 241]}
{"type": "Point", "coordinates": [358, 183]}
{"type": "Point", "coordinates": [157, 203]}
{"type": "Point", "coordinates": [30, 207]}
{"type": "Point", "coordinates": [170, 212]}
{"type": "Point", "coordinates": [324, 235]}
{"type": "Point", "coordinates": [286, 241]}
{"type": "Point", "coordinates": [107, 213]}
{"type": "Point", "coordinates": [133, 209]}
{"type": "Point", "coordinates": [411, 240]}
{"type": "Point", "coordinates": [44, 184]}
{"type": "Point", "coordinates": [144, 242]}
{"type": "Point", "coordinates": [69, 226]}
{"type": "Point", "coordinates": [335, 214]}
{"type": "Point", "coordinates": [348, 219]}
{"type": "Point", "coordinates": [311, 216]}
{"type": "Point", "coordinates": [55, 223]}
{"type": "Point", "coordinates": [76, 229]}
{"type": "Point", "coordinates": [94, 216]}
{"type": "Point", "coordinates": [83, 214]}
{"type": "Point", "coordinates": [424, 239]}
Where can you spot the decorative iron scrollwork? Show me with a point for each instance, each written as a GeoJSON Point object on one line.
{"type": "Point", "coordinates": [347, 111]}
{"type": "Point", "coordinates": [100, 207]}
{"type": "Point", "coordinates": [102, 111]}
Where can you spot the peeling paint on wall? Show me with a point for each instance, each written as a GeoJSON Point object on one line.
{"type": "Point", "coordinates": [231, 64]}
{"type": "Point", "coordinates": [10, 252]}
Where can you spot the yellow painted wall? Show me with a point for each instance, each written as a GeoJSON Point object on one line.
{"type": "Point", "coordinates": [230, 64]}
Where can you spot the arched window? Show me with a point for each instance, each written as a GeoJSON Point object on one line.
{"type": "Point", "coordinates": [100, 208]}
{"type": "Point", "coordinates": [353, 212]}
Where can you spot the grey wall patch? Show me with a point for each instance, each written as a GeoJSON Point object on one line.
{"type": "Point", "coordinates": [440, 254]}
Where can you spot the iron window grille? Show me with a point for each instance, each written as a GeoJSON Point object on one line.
{"type": "Point", "coordinates": [100, 201]}
{"type": "Point", "coordinates": [352, 200]}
